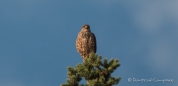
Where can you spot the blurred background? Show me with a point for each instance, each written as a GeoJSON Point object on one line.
{"type": "Point", "coordinates": [37, 39]}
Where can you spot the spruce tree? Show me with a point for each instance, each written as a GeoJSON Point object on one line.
{"type": "Point", "coordinates": [95, 72]}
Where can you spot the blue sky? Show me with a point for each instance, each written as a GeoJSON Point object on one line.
{"type": "Point", "coordinates": [38, 39]}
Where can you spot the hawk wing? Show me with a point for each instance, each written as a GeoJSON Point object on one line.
{"type": "Point", "coordinates": [92, 43]}
{"type": "Point", "coordinates": [79, 43]}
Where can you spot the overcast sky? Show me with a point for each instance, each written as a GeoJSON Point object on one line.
{"type": "Point", "coordinates": [37, 39]}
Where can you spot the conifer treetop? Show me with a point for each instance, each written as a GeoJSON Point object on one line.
{"type": "Point", "coordinates": [95, 72]}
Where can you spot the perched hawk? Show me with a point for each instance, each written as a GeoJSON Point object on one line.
{"type": "Point", "coordinates": [86, 42]}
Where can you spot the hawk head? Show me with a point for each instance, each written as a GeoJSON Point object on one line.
{"type": "Point", "coordinates": [86, 28]}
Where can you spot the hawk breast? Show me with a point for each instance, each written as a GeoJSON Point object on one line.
{"type": "Point", "coordinates": [86, 43]}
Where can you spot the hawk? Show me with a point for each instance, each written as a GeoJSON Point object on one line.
{"type": "Point", "coordinates": [86, 42]}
